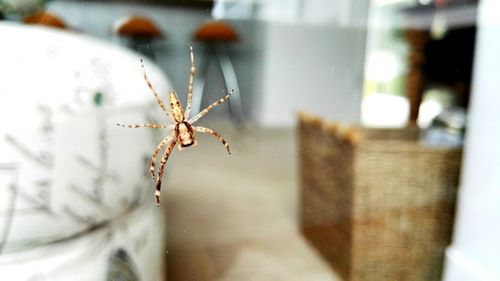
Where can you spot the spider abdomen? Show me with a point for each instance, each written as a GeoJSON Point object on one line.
{"type": "Point", "coordinates": [185, 135]}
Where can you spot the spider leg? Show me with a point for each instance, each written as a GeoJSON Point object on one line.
{"type": "Point", "coordinates": [215, 134]}
{"type": "Point", "coordinates": [158, 99]}
{"type": "Point", "coordinates": [208, 108]}
{"type": "Point", "coordinates": [190, 85]}
{"type": "Point", "coordinates": [160, 169]}
{"type": "Point", "coordinates": [155, 154]}
{"type": "Point", "coordinates": [154, 126]}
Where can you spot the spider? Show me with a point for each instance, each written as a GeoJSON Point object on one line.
{"type": "Point", "coordinates": [183, 131]}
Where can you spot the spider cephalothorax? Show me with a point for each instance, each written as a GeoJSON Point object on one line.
{"type": "Point", "coordinates": [183, 131]}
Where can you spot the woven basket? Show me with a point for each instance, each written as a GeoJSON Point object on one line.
{"type": "Point", "coordinates": [376, 203]}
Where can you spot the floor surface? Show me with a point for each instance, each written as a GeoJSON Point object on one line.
{"type": "Point", "coordinates": [234, 217]}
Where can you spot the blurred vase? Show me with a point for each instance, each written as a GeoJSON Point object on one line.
{"type": "Point", "coordinates": [73, 186]}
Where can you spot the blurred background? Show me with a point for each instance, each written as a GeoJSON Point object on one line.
{"type": "Point", "coordinates": [364, 136]}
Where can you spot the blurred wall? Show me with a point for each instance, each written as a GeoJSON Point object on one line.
{"type": "Point", "coordinates": [318, 69]}
{"type": "Point", "coordinates": [293, 55]}
{"type": "Point", "coordinates": [313, 55]}
{"type": "Point", "coordinates": [97, 19]}
{"type": "Point", "coordinates": [475, 251]}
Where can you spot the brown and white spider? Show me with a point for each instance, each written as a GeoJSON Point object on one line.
{"type": "Point", "coordinates": [183, 131]}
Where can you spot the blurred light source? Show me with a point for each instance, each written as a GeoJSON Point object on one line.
{"type": "Point", "coordinates": [438, 26]}
{"type": "Point", "coordinates": [382, 66]}
{"type": "Point", "coordinates": [382, 110]}
{"type": "Point", "coordinates": [424, 2]}
{"type": "Point", "coordinates": [379, 108]}
{"type": "Point", "coordinates": [429, 109]}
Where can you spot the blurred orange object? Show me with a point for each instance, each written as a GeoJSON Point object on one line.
{"type": "Point", "coordinates": [216, 31]}
{"type": "Point", "coordinates": [138, 27]}
{"type": "Point", "coordinates": [44, 18]}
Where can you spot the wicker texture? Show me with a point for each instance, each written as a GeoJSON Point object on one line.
{"type": "Point", "coordinates": [376, 203]}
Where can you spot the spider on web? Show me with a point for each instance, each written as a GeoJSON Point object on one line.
{"type": "Point", "coordinates": [183, 131]}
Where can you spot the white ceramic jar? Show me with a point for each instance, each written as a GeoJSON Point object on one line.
{"type": "Point", "coordinates": [69, 177]}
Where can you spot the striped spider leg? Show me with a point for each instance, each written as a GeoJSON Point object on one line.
{"type": "Point", "coordinates": [183, 131]}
